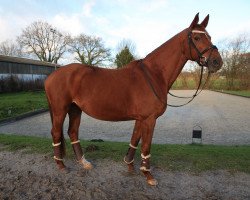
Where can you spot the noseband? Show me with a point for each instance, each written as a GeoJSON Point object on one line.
{"type": "Point", "coordinates": [202, 60]}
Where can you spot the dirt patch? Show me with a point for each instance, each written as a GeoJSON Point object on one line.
{"type": "Point", "coordinates": [26, 176]}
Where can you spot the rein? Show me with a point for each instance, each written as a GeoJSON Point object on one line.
{"type": "Point", "coordinates": [195, 94]}
{"type": "Point", "coordinates": [147, 76]}
{"type": "Point", "coordinates": [199, 61]}
{"type": "Point", "coordinates": [181, 97]}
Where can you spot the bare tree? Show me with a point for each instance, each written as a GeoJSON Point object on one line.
{"type": "Point", "coordinates": [89, 50]}
{"type": "Point", "coordinates": [184, 77]}
{"type": "Point", "coordinates": [195, 72]}
{"type": "Point", "coordinates": [245, 71]}
{"type": "Point", "coordinates": [9, 48]}
{"type": "Point", "coordinates": [44, 41]}
{"type": "Point", "coordinates": [236, 60]}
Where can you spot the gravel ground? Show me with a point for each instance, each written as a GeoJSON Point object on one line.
{"type": "Point", "coordinates": [224, 119]}
{"type": "Point", "coordinates": [25, 176]}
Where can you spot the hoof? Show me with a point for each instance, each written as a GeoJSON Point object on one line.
{"type": "Point", "coordinates": [88, 166]}
{"type": "Point", "coordinates": [152, 182]}
{"type": "Point", "coordinates": [131, 168]}
{"type": "Point", "coordinates": [64, 170]}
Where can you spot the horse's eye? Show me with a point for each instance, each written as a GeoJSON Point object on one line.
{"type": "Point", "coordinates": [197, 38]}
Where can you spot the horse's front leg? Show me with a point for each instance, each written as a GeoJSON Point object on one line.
{"type": "Point", "coordinates": [147, 130]}
{"type": "Point", "coordinates": [136, 136]}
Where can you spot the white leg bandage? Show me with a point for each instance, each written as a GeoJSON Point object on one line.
{"type": "Point", "coordinates": [59, 159]}
{"type": "Point", "coordinates": [132, 146]}
{"type": "Point", "coordinates": [56, 145]}
{"type": "Point", "coordinates": [145, 157]}
{"type": "Point", "coordinates": [78, 141]}
{"type": "Point", "coordinates": [143, 168]}
{"type": "Point", "coordinates": [128, 162]}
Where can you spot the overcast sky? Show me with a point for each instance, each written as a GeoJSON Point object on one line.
{"type": "Point", "coordinates": [148, 23]}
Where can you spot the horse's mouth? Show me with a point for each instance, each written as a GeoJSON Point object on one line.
{"type": "Point", "coordinates": [214, 65]}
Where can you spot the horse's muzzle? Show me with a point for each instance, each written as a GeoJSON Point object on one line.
{"type": "Point", "coordinates": [214, 64]}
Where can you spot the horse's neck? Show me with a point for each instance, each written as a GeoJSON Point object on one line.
{"type": "Point", "coordinates": [167, 61]}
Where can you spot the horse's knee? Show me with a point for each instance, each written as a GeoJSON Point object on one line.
{"type": "Point", "coordinates": [56, 137]}
{"type": "Point", "coordinates": [73, 135]}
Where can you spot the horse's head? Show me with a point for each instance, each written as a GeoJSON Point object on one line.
{"type": "Point", "coordinates": [200, 48]}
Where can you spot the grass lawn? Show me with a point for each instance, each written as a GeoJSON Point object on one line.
{"type": "Point", "coordinates": [14, 104]}
{"type": "Point", "coordinates": [194, 158]}
{"type": "Point", "coordinates": [244, 93]}
{"type": "Point", "coordinates": [178, 85]}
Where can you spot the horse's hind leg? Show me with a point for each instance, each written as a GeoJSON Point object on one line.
{"type": "Point", "coordinates": [129, 158]}
{"type": "Point", "coordinates": [74, 123]}
{"type": "Point", "coordinates": [58, 139]}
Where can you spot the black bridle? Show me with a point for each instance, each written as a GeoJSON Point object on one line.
{"type": "Point", "coordinates": [200, 53]}
{"type": "Point", "coordinates": [201, 60]}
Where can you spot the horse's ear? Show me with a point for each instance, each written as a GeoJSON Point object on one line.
{"type": "Point", "coordinates": [195, 21]}
{"type": "Point", "coordinates": [205, 21]}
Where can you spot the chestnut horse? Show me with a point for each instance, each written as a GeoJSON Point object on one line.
{"type": "Point", "coordinates": [137, 92]}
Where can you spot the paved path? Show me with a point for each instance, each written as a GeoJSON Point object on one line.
{"type": "Point", "coordinates": [225, 119]}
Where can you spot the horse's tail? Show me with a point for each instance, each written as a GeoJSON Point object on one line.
{"type": "Point", "coordinates": [50, 113]}
{"type": "Point", "coordinates": [49, 104]}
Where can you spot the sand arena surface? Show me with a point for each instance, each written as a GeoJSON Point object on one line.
{"type": "Point", "coordinates": [26, 176]}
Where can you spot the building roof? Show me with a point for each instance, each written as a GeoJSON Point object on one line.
{"type": "Point", "coordinates": [26, 61]}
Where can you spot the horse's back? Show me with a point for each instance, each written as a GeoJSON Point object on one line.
{"type": "Point", "coordinates": [74, 70]}
{"type": "Point", "coordinates": [83, 84]}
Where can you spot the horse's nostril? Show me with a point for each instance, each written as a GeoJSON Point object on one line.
{"type": "Point", "coordinates": [215, 62]}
